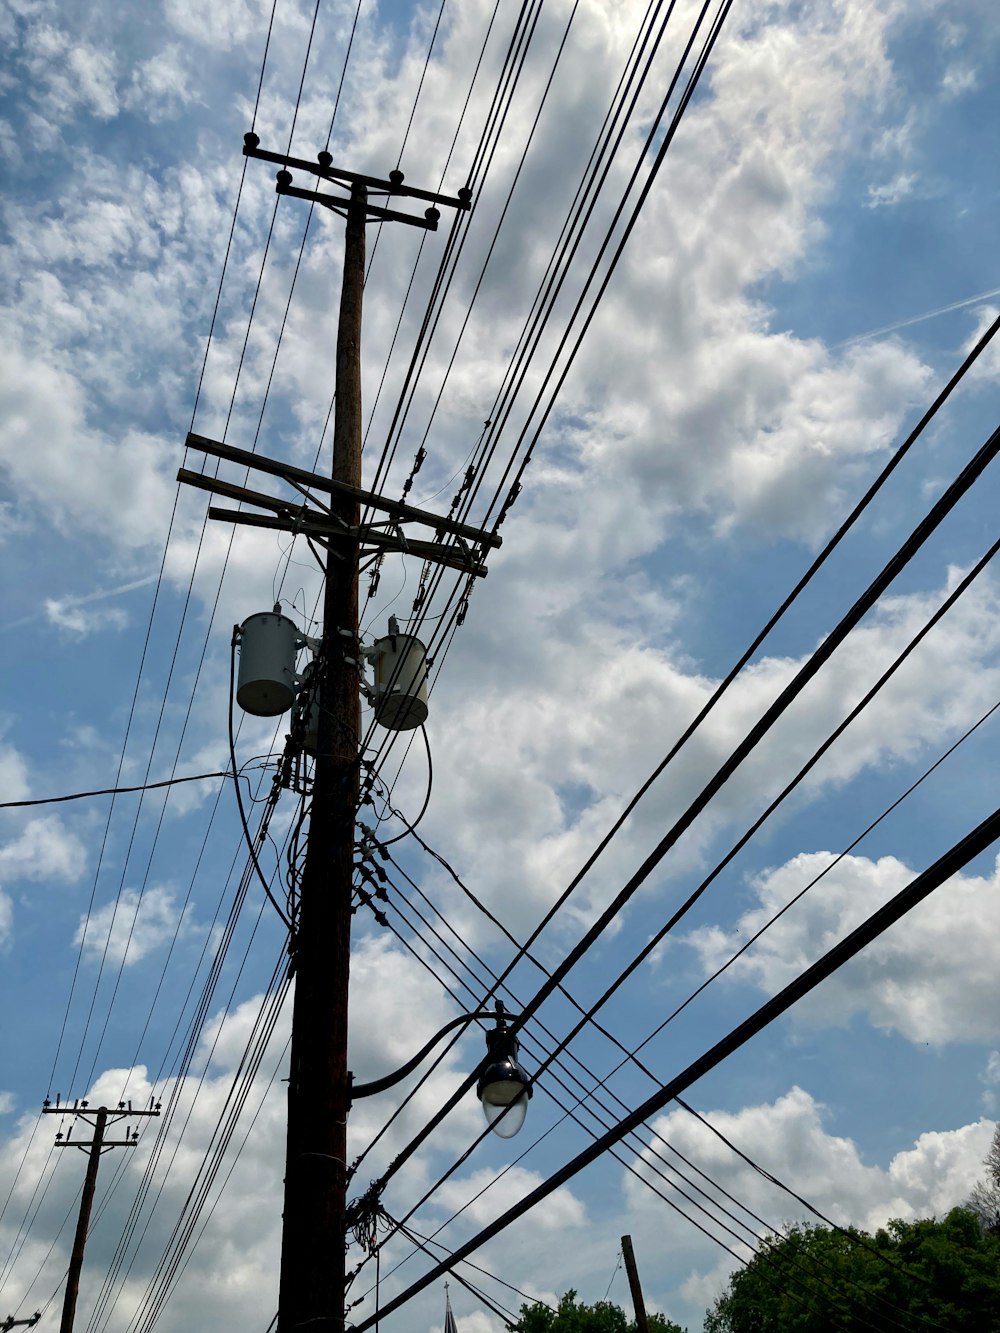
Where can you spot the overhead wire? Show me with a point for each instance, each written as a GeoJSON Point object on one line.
{"type": "Point", "coordinates": [149, 625]}
{"type": "Point", "coordinates": [115, 791]}
{"type": "Point", "coordinates": [806, 672]}
{"type": "Point", "coordinates": [442, 632]}
{"type": "Point", "coordinates": [585, 1101]}
{"type": "Point", "coordinates": [949, 863]}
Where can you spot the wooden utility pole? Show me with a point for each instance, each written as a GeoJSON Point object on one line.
{"type": "Point", "coordinates": [633, 1281]}
{"type": "Point", "coordinates": [312, 1279]}
{"type": "Point", "coordinates": [99, 1121]}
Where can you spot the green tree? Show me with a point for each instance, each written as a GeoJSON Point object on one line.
{"type": "Point", "coordinates": [984, 1200]}
{"type": "Point", "coordinates": [912, 1274]}
{"type": "Point", "coordinates": [574, 1316]}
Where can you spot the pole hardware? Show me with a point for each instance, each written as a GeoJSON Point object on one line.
{"type": "Point", "coordinates": [312, 1280]}
{"type": "Point", "coordinates": [500, 1069]}
{"type": "Point", "coordinates": [10, 1322]}
{"type": "Point", "coordinates": [373, 537]}
{"type": "Point", "coordinates": [323, 168]}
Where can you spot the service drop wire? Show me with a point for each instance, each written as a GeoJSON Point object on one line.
{"type": "Point", "coordinates": [921, 533]}
{"type": "Point", "coordinates": [944, 868]}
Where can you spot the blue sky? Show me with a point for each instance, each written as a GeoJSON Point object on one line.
{"type": "Point", "coordinates": [834, 178]}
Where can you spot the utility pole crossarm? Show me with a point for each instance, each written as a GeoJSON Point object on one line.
{"type": "Point", "coordinates": [360, 187]}
{"type": "Point", "coordinates": [323, 167]}
{"type": "Point", "coordinates": [397, 509]}
{"type": "Point", "coordinates": [318, 525]}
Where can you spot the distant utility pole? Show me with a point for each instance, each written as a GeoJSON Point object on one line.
{"type": "Point", "coordinates": [312, 1284]}
{"type": "Point", "coordinates": [633, 1281]}
{"type": "Point", "coordinates": [99, 1120]}
{"type": "Point", "coordinates": [11, 1322]}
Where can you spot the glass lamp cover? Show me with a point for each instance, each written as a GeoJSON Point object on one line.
{"type": "Point", "coordinates": [506, 1118]}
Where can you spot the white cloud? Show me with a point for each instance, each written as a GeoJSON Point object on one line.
{"type": "Point", "coordinates": [161, 85]}
{"type": "Point", "coordinates": [990, 1077]}
{"type": "Point", "coordinates": [930, 977]}
{"type": "Point", "coordinates": [581, 738]}
{"type": "Point", "coordinates": [561, 1211]}
{"type": "Point", "coordinates": [70, 616]}
{"type": "Point", "coordinates": [959, 79]}
{"type": "Point", "coordinates": [84, 479]}
{"type": "Point", "coordinates": [788, 1137]}
{"type": "Point", "coordinates": [66, 77]}
{"type": "Point", "coordinates": [7, 1102]}
{"type": "Point", "coordinates": [44, 849]}
{"type": "Point", "coordinates": [987, 367]}
{"type": "Point", "coordinates": [133, 928]}
{"type": "Point", "coordinates": [14, 783]}
{"type": "Point", "coordinates": [893, 192]}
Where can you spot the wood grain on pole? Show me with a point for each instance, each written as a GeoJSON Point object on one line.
{"type": "Point", "coordinates": [313, 1256]}
{"type": "Point", "coordinates": [633, 1281]}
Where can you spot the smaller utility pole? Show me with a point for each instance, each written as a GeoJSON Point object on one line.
{"type": "Point", "coordinates": [633, 1281]}
{"type": "Point", "coordinates": [99, 1120]}
{"type": "Point", "coordinates": [11, 1322]}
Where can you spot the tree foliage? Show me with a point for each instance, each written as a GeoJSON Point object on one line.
{"type": "Point", "coordinates": [909, 1273]}
{"type": "Point", "coordinates": [575, 1316]}
{"type": "Point", "coordinates": [984, 1200]}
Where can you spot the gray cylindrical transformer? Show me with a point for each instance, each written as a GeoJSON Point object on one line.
{"type": "Point", "coordinates": [400, 682]}
{"type": "Point", "coordinates": [266, 682]}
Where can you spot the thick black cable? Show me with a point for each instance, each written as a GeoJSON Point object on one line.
{"type": "Point", "coordinates": [960, 588]}
{"type": "Point", "coordinates": [585, 1100]}
{"type": "Point", "coordinates": [947, 865]}
{"type": "Point", "coordinates": [938, 512]}
{"type": "Point", "coordinates": [114, 791]}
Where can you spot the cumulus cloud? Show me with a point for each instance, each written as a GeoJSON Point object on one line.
{"type": "Point", "coordinates": [990, 1077]}
{"type": "Point", "coordinates": [580, 750]}
{"type": "Point", "coordinates": [560, 1211]}
{"type": "Point", "coordinates": [14, 783]}
{"type": "Point", "coordinates": [44, 849]}
{"type": "Point", "coordinates": [137, 925]}
{"type": "Point", "coordinates": [930, 977]}
{"type": "Point", "coordinates": [789, 1138]}
{"type": "Point", "coordinates": [893, 192]}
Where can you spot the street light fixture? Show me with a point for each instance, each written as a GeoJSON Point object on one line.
{"type": "Point", "coordinates": [503, 1088]}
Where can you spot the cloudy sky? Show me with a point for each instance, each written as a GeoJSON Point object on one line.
{"type": "Point", "coordinates": [811, 262]}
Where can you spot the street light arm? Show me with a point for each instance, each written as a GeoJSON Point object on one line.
{"type": "Point", "coordinates": [390, 1080]}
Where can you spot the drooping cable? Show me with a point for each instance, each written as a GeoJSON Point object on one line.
{"type": "Point", "coordinates": [950, 863]}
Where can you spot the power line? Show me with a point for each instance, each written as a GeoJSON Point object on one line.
{"type": "Point", "coordinates": [116, 791]}
{"type": "Point", "coordinates": [949, 864]}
